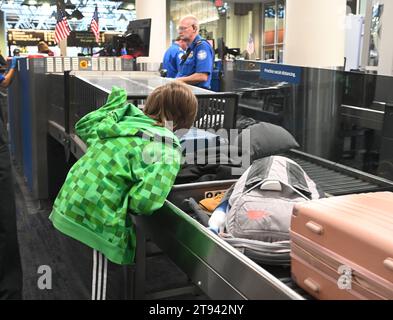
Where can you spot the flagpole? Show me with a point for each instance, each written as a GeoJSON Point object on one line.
{"type": "Point", "coordinates": [63, 47]}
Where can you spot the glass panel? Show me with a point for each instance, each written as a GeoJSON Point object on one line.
{"type": "Point", "coordinates": [344, 117]}
{"type": "Point", "coordinates": [231, 23]}
{"type": "Point", "coordinates": [280, 53]}
{"type": "Point", "coordinates": [363, 6]}
{"type": "Point", "coordinates": [208, 14]}
{"type": "Point", "coordinates": [280, 21]}
{"type": "Point", "coordinates": [269, 23]}
{"type": "Point", "coordinates": [136, 84]}
{"type": "Point", "coordinates": [268, 53]}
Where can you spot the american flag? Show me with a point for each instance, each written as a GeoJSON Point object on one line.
{"type": "Point", "coordinates": [250, 45]}
{"type": "Point", "coordinates": [62, 29]}
{"type": "Point", "coordinates": [94, 25]}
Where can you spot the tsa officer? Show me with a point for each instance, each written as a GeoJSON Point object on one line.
{"type": "Point", "coordinates": [196, 67]}
{"type": "Point", "coordinates": [172, 57]}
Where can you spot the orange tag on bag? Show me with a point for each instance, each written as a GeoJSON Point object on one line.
{"type": "Point", "coordinates": [210, 204]}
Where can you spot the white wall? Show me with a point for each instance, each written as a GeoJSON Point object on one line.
{"type": "Point", "coordinates": [238, 30]}
{"type": "Point", "coordinates": [315, 34]}
{"type": "Point", "coordinates": [157, 11]}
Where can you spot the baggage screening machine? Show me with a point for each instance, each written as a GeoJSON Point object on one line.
{"type": "Point", "coordinates": [48, 141]}
{"type": "Point", "coordinates": [214, 266]}
{"type": "Point", "coordinates": [210, 263]}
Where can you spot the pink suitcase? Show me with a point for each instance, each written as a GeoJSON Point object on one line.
{"type": "Point", "coordinates": [342, 247]}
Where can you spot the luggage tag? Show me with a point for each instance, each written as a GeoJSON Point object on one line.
{"type": "Point", "coordinates": [212, 194]}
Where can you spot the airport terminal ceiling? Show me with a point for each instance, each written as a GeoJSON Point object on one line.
{"type": "Point", "coordinates": [41, 15]}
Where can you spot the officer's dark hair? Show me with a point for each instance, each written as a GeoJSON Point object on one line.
{"type": "Point", "coordinates": [174, 102]}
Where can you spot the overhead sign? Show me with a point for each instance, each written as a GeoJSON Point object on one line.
{"type": "Point", "coordinates": [84, 39]}
{"type": "Point", "coordinates": [281, 73]}
{"type": "Point", "coordinates": [20, 37]}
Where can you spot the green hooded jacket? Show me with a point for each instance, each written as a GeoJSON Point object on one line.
{"type": "Point", "coordinates": [129, 167]}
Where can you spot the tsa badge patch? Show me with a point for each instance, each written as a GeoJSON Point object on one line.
{"type": "Point", "coordinates": [202, 55]}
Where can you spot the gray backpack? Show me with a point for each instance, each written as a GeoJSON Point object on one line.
{"type": "Point", "coordinates": [260, 208]}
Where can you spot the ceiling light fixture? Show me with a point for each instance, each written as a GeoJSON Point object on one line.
{"type": "Point", "coordinates": [30, 3]}
{"type": "Point", "coordinates": [126, 6]}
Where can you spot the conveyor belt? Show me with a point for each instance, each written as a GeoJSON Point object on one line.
{"type": "Point", "coordinates": [336, 179]}
{"type": "Point", "coordinates": [335, 183]}
{"type": "Point", "coordinates": [205, 258]}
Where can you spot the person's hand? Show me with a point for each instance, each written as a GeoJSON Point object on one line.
{"type": "Point", "coordinates": [13, 62]}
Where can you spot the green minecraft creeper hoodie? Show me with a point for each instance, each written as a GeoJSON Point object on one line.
{"type": "Point", "coordinates": [129, 167]}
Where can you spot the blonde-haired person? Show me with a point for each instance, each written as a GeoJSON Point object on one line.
{"type": "Point", "coordinates": [130, 165]}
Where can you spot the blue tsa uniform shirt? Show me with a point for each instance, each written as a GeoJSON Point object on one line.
{"type": "Point", "coordinates": [172, 59]}
{"type": "Point", "coordinates": [199, 60]}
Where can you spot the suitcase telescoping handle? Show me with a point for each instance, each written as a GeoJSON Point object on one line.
{"type": "Point", "coordinates": [388, 263]}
